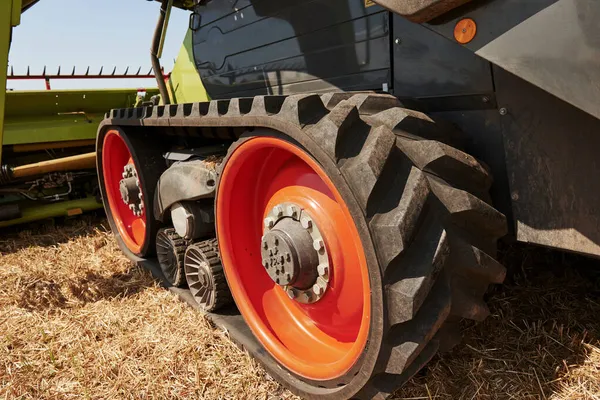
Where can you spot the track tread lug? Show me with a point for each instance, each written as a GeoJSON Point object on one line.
{"type": "Point", "coordinates": [466, 304]}
{"type": "Point", "coordinates": [449, 335]}
{"type": "Point", "coordinates": [406, 340]}
{"type": "Point", "coordinates": [302, 109]}
{"type": "Point", "coordinates": [240, 106]}
{"type": "Point", "coordinates": [470, 261]}
{"type": "Point", "coordinates": [468, 211]}
{"type": "Point", "coordinates": [335, 127]}
{"type": "Point", "coordinates": [412, 284]}
{"type": "Point", "coordinates": [409, 123]}
{"type": "Point", "coordinates": [367, 103]}
{"type": "Point", "coordinates": [447, 162]}
{"type": "Point", "coordinates": [392, 230]}
{"type": "Point", "coordinates": [363, 171]}
{"type": "Point", "coordinates": [381, 386]}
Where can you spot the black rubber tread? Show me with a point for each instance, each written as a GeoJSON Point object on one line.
{"type": "Point", "coordinates": [147, 153]}
{"type": "Point", "coordinates": [171, 247]}
{"type": "Point", "coordinates": [218, 290]}
{"type": "Point", "coordinates": [419, 203]}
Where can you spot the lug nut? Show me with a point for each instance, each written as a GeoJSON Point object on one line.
{"type": "Point", "coordinates": [318, 289]}
{"type": "Point", "coordinates": [269, 223]}
{"type": "Point", "coordinates": [306, 223]}
{"type": "Point", "coordinates": [278, 211]}
{"type": "Point", "coordinates": [318, 244]}
{"type": "Point", "coordinates": [292, 211]}
{"type": "Point", "coordinates": [323, 269]}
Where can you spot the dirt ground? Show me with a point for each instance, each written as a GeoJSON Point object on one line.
{"type": "Point", "coordinates": [78, 320]}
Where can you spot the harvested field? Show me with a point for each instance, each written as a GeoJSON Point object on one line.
{"type": "Point", "coordinates": [78, 320]}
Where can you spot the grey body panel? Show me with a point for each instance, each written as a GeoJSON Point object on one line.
{"type": "Point", "coordinates": [425, 65]}
{"type": "Point", "coordinates": [553, 165]}
{"type": "Point", "coordinates": [553, 44]}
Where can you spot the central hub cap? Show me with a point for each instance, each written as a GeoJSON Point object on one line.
{"type": "Point", "coordinates": [131, 194]}
{"type": "Point", "coordinates": [130, 191]}
{"type": "Point", "coordinates": [288, 255]}
{"type": "Point", "coordinates": [294, 254]}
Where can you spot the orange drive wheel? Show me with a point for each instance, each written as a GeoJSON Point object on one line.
{"type": "Point", "coordinates": [320, 339]}
{"type": "Point", "coordinates": [130, 167]}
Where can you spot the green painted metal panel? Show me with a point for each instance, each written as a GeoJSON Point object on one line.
{"type": "Point", "coordinates": [185, 84]}
{"type": "Point", "coordinates": [25, 130]}
{"type": "Point", "coordinates": [35, 212]}
{"type": "Point", "coordinates": [59, 115]}
{"type": "Point", "coordinates": [54, 102]}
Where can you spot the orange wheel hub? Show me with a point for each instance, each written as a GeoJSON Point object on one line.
{"type": "Point", "coordinates": [320, 340]}
{"type": "Point", "coordinates": [115, 158]}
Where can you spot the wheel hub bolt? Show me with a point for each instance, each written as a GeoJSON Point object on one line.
{"type": "Point", "coordinates": [292, 211]}
{"type": "Point", "coordinates": [278, 211]}
{"type": "Point", "coordinates": [306, 223]}
{"type": "Point", "coordinates": [323, 269]}
{"type": "Point", "coordinates": [318, 244]}
{"type": "Point", "coordinates": [269, 222]}
{"type": "Point", "coordinates": [318, 289]}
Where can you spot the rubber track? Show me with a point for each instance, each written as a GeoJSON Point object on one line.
{"type": "Point", "coordinates": [168, 240]}
{"type": "Point", "coordinates": [425, 203]}
{"type": "Point", "coordinates": [210, 250]}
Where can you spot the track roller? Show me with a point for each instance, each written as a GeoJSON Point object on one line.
{"type": "Point", "coordinates": [205, 277]}
{"type": "Point", "coordinates": [170, 251]}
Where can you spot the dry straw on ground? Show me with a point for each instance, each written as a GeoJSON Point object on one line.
{"type": "Point", "coordinates": [77, 320]}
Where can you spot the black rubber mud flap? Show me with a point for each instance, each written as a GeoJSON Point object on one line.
{"type": "Point", "coordinates": [420, 205]}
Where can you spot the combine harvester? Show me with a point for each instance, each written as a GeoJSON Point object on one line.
{"type": "Point", "coordinates": [338, 186]}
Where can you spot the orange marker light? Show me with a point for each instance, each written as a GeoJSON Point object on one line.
{"type": "Point", "coordinates": [465, 30]}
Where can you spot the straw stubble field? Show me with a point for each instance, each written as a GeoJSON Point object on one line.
{"type": "Point", "coordinates": [78, 320]}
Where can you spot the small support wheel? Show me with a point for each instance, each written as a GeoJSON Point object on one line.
{"type": "Point", "coordinates": [170, 251]}
{"type": "Point", "coordinates": [205, 276]}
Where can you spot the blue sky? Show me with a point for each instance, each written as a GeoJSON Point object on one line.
{"type": "Point", "coordinates": [85, 33]}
